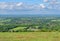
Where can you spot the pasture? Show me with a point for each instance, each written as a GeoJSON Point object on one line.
{"type": "Point", "coordinates": [29, 36]}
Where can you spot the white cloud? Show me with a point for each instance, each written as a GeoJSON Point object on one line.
{"type": "Point", "coordinates": [42, 6]}
{"type": "Point", "coordinates": [20, 7]}
{"type": "Point", "coordinates": [10, 6]}
{"type": "Point", "coordinates": [45, 0]}
{"type": "Point", "coordinates": [23, 6]}
{"type": "Point", "coordinates": [6, 5]}
{"type": "Point", "coordinates": [53, 4]}
{"type": "Point", "coordinates": [19, 4]}
{"type": "Point", "coordinates": [3, 5]}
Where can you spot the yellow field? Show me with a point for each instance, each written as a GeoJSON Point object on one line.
{"type": "Point", "coordinates": [30, 36]}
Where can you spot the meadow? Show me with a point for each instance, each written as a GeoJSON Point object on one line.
{"type": "Point", "coordinates": [29, 36]}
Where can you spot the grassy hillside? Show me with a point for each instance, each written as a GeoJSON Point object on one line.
{"type": "Point", "coordinates": [30, 36]}
{"type": "Point", "coordinates": [17, 29]}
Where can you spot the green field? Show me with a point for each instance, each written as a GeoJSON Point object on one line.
{"type": "Point", "coordinates": [29, 36]}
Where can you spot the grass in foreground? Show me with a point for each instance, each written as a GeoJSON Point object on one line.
{"type": "Point", "coordinates": [30, 36]}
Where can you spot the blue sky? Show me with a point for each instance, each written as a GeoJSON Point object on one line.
{"type": "Point", "coordinates": [29, 6]}
{"type": "Point", "coordinates": [25, 1]}
{"type": "Point", "coordinates": [28, 1]}
{"type": "Point", "coordinates": [34, 1]}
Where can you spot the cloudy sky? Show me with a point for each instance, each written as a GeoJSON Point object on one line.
{"type": "Point", "coordinates": [29, 7]}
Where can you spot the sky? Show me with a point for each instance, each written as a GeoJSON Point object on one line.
{"type": "Point", "coordinates": [32, 1]}
{"type": "Point", "coordinates": [29, 6]}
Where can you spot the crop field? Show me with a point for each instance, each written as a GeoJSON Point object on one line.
{"type": "Point", "coordinates": [29, 36]}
